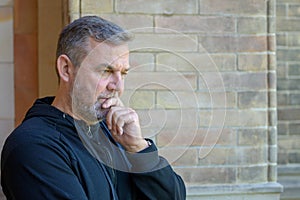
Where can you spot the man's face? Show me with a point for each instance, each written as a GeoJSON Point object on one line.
{"type": "Point", "coordinates": [99, 78]}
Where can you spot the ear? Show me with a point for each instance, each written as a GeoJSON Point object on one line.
{"type": "Point", "coordinates": [64, 67]}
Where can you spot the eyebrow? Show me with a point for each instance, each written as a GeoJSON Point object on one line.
{"type": "Point", "coordinates": [108, 66]}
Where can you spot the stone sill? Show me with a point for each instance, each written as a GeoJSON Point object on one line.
{"type": "Point", "coordinates": [247, 189]}
{"type": "Point", "coordinates": [290, 169]}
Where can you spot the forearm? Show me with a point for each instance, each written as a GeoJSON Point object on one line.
{"type": "Point", "coordinates": [154, 176]}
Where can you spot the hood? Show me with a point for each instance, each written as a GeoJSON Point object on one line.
{"type": "Point", "coordinates": [42, 108]}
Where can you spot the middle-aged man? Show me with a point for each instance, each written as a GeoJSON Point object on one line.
{"type": "Point", "coordinates": [83, 143]}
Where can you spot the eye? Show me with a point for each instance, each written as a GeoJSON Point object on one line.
{"type": "Point", "coordinates": [124, 73]}
{"type": "Point", "coordinates": [106, 72]}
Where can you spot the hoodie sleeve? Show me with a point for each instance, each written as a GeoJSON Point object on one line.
{"type": "Point", "coordinates": [37, 171]}
{"type": "Point", "coordinates": [154, 177]}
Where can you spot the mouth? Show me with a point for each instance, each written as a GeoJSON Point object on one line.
{"type": "Point", "coordinates": [107, 96]}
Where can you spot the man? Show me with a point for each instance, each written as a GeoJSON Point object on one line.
{"type": "Point", "coordinates": [84, 144]}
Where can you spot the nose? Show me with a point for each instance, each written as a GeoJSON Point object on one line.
{"type": "Point", "coordinates": [116, 82]}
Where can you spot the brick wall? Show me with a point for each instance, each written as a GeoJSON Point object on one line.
{"type": "Point", "coordinates": [203, 81]}
{"type": "Point", "coordinates": [288, 45]}
{"type": "Point", "coordinates": [288, 72]}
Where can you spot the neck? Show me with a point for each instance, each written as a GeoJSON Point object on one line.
{"type": "Point", "coordinates": [63, 102]}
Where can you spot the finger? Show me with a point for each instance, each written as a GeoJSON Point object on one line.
{"type": "Point", "coordinates": [112, 117]}
{"type": "Point", "coordinates": [109, 117]}
{"type": "Point", "coordinates": [120, 117]}
{"type": "Point", "coordinates": [125, 117]}
{"type": "Point", "coordinates": [111, 102]}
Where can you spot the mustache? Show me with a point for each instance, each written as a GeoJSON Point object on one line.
{"type": "Point", "coordinates": [108, 96]}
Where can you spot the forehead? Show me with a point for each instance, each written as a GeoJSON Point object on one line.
{"type": "Point", "coordinates": [109, 51]}
{"type": "Point", "coordinates": [102, 53]}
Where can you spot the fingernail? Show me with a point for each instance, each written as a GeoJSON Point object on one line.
{"type": "Point", "coordinates": [120, 130]}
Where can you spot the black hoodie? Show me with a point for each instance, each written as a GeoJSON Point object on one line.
{"type": "Point", "coordinates": [49, 157]}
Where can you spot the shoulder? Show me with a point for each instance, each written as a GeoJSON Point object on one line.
{"type": "Point", "coordinates": [33, 130]}
{"type": "Point", "coordinates": [31, 137]}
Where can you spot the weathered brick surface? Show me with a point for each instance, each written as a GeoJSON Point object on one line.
{"type": "Point", "coordinates": [195, 62]}
{"type": "Point", "coordinates": [96, 7]}
{"type": "Point", "coordinates": [234, 118]}
{"type": "Point", "coordinates": [204, 137]}
{"type": "Point", "coordinates": [252, 99]}
{"type": "Point", "coordinates": [209, 175]}
{"type": "Point", "coordinates": [238, 7]}
{"type": "Point", "coordinates": [181, 156]}
{"type": "Point", "coordinates": [218, 156]}
{"type": "Point", "coordinates": [252, 137]}
{"type": "Point", "coordinates": [287, 25]}
{"type": "Point", "coordinates": [139, 99]}
{"type": "Point", "coordinates": [252, 155]}
{"type": "Point", "coordinates": [285, 55]}
{"type": "Point", "coordinates": [252, 174]}
{"type": "Point", "coordinates": [157, 7]}
{"type": "Point", "coordinates": [74, 6]}
{"type": "Point", "coordinates": [133, 23]}
{"type": "Point", "coordinates": [142, 62]}
{"type": "Point", "coordinates": [197, 24]}
{"type": "Point", "coordinates": [293, 40]}
{"type": "Point", "coordinates": [244, 81]}
{"type": "Point", "coordinates": [252, 25]}
{"type": "Point", "coordinates": [294, 129]}
{"type": "Point", "coordinates": [294, 10]}
{"type": "Point", "coordinates": [158, 81]}
{"type": "Point", "coordinates": [164, 43]}
{"type": "Point", "coordinates": [294, 70]}
{"type": "Point", "coordinates": [253, 62]}
{"type": "Point", "coordinates": [217, 44]}
{"type": "Point", "coordinates": [289, 114]}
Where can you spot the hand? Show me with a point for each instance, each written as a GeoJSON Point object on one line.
{"type": "Point", "coordinates": [124, 125]}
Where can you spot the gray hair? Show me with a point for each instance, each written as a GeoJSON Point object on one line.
{"type": "Point", "coordinates": [73, 40]}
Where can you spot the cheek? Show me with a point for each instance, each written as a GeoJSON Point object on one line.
{"type": "Point", "coordinates": [101, 85]}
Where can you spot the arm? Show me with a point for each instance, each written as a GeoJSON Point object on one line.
{"type": "Point", "coordinates": [39, 171]}
{"type": "Point", "coordinates": [154, 177]}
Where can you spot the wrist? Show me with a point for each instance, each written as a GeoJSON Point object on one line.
{"type": "Point", "coordinates": [141, 145]}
